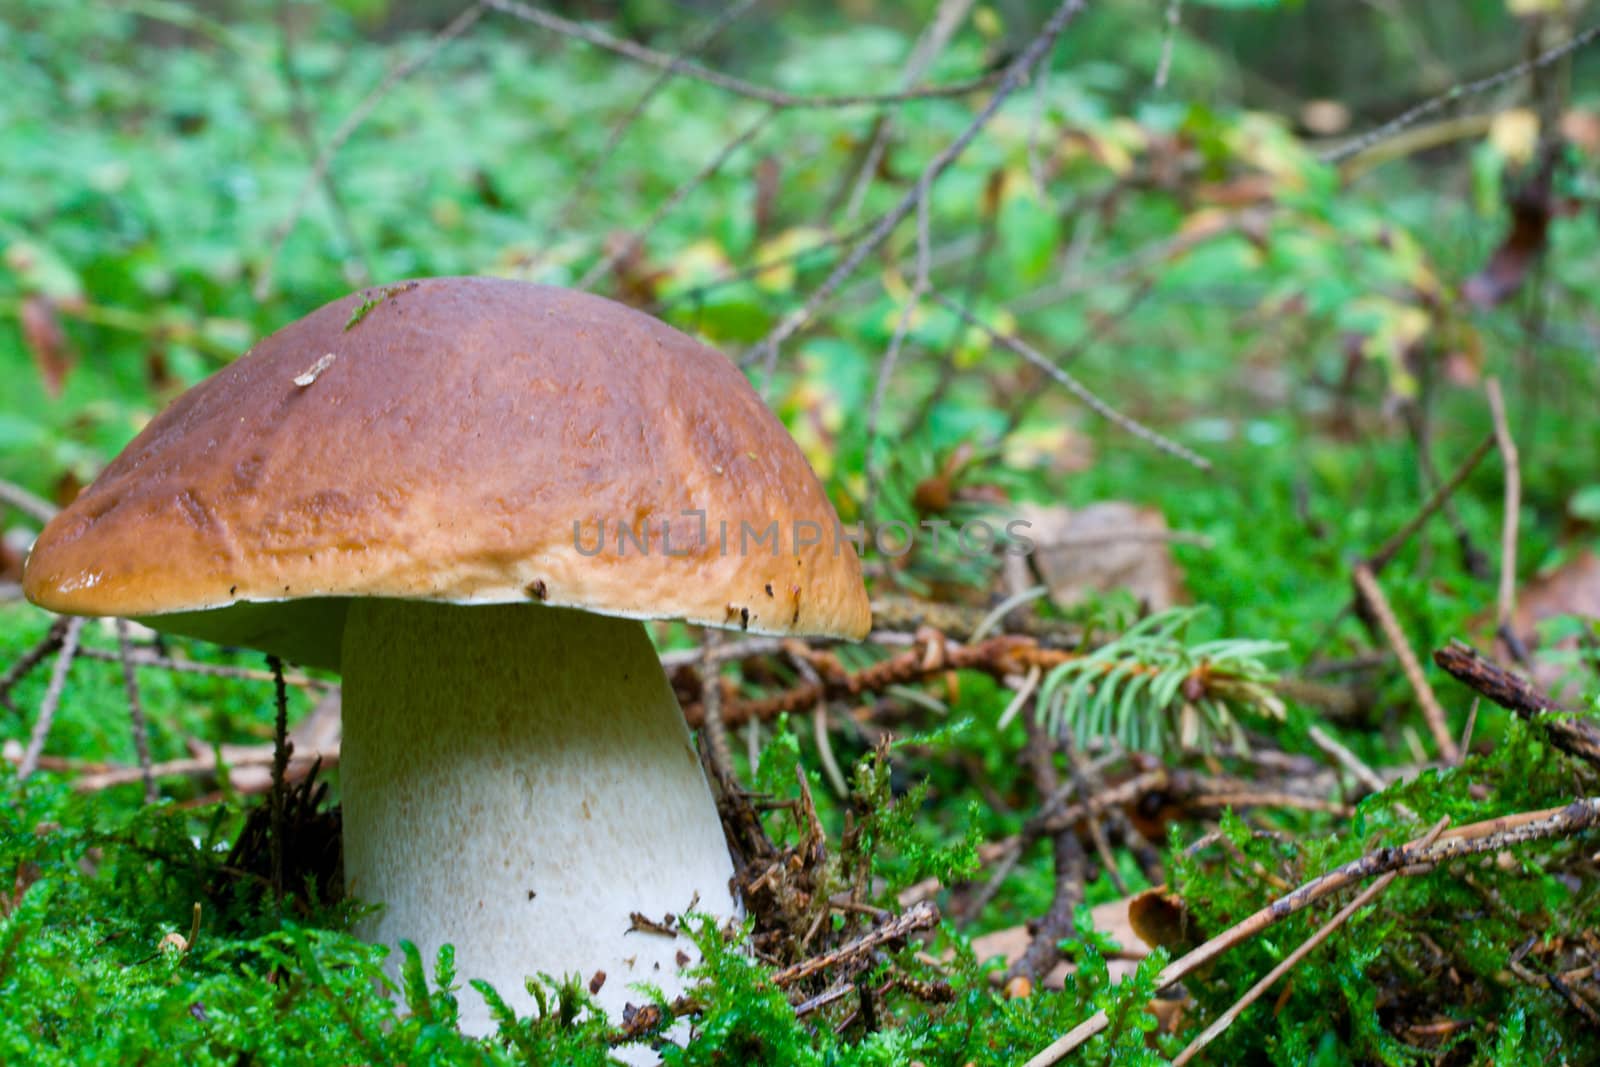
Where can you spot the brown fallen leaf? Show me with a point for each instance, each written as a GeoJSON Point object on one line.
{"type": "Point", "coordinates": [47, 342]}
{"type": "Point", "coordinates": [1532, 206]}
{"type": "Point", "coordinates": [1162, 920]}
{"type": "Point", "coordinates": [1110, 919]}
{"type": "Point", "coordinates": [1571, 589]}
{"type": "Point", "coordinates": [1108, 545]}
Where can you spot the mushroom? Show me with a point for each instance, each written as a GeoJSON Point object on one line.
{"type": "Point", "coordinates": [464, 494]}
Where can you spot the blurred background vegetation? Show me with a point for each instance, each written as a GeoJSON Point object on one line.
{"type": "Point", "coordinates": [1181, 207]}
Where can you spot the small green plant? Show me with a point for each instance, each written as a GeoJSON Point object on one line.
{"type": "Point", "coordinates": [1149, 690]}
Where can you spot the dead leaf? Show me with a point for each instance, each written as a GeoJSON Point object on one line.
{"type": "Point", "coordinates": [1531, 208]}
{"type": "Point", "coordinates": [1107, 545]}
{"type": "Point", "coordinates": [1162, 920]}
{"type": "Point", "coordinates": [1571, 589]}
{"type": "Point", "coordinates": [47, 342]}
{"type": "Point", "coordinates": [1110, 919]}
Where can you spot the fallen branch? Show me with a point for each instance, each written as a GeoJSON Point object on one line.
{"type": "Point", "coordinates": [923, 916]}
{"type": "Point", "coordinates": [1577, 737]}
{"type": "Point", "coordinates": [1506, 597]}
{"type": "Point", "coordinates": [1305, 948]}
{"type": "Point", "coordinates": [52, 699]}
{"type": "Point", "coordinates": [202, 765]}
{"type": "Point", "coordinates": [930, 656]}
{"type": "Point", "coordinates": [1415, 857]}
{"type": "Point", "coordinates": [1372, 593]}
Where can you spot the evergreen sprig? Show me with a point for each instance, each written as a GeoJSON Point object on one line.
{"type": "Point", "coordinates": [1150, 690]}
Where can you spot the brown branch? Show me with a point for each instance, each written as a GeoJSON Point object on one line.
{"type": "Point", "coordinates": [1416, 857]}
{"type": "Point", "coordinates": [35, 507]}
{"type": "Point", "coordinates": [52, 698]}
{"type": "Point", "coordinates": [1069, 868]}
{"type": "Point", "coordinates": [1011, 79]}
{"type": "Point", "coordinates": [929, 657]}
{"type": "Point", "coordinates": [739, 87]}
{"type": "Point", "coordinates": [1372, 593]}
{"type": "Point", "coordinates": [30, 659]}
{"type": "Point", "coordinates": [1440, 496]}
{"type": "Point", "coordinates": [1397, 540]}
{"type": "Point", "coordinates": [1577, 737]}
{"type": "Point", "coordinates": [921, 916]}
{"type": "Point", "coordinates": [1362, 899]}
{"type": "Point", "coordinates": [136, 719]}
{"type": "Point", "coordinates": [1506, 599]}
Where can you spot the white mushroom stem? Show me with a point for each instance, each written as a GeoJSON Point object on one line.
{"type": "Point", "coordinates": [518, 780]}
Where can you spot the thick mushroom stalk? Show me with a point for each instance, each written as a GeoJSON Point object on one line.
{"type": "Point", "coordinates": [518, 780]}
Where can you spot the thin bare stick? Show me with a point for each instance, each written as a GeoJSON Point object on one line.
{"type": "Point", "coordinates": [36, 507]}
{"type": "Point", "coordinates": [352, 122]}
{"type": "Point", "coordinates": [902, 328]}
{"type": "Point", "coordinates": [1413, 858]}
{"type": "Point", "coordinates": [1016, 72]}
{"type": "Point", "coordinates": [722, 652]}
{"type": "Point", "coordinates": [921, 916]}
{"type": "Point", "coordinates": [562, 216]}
{"type": "Point", "coordinates": [1432, 711]}
{"type": "Point", "coordinates": [194, 766]}
{"type": "Point", "coordinates": [1144, 433]}
{"type": "Point", "coordinates": [52, 698]}
{"type": "Point", "coordinates": [739, 87]}
{"type": "Point", "coordinates": [1506, 602]}
{"type": "Point", "coordinates": [1466, 731]}
{"type": "Point", "coordinates": [280, 769]}
{"type": "Point", "coordinates": [1390, 548]}
{"type": "Point", "coordinates": [1168, 39]}
{"type": "Point", "coordinates": [1289, 962]}
{"type": "Point", "coordinates": [1397, 540]}
{"type": "Point", "coordinates": [30, 659]}
{"type": "Point", "coordinates": [665, 208]}
{"type": "Point", "coordinates": [141, 729]}
{"type": "Point", "coordinates": [946, 19]}
{"type": "Point", "coordinates": [300, 122]}
{"type": "Point", "coordinates": [1347, 759]}
{"type": "Point", "coordinates": [208, 670]}
{"type": "Point", "coordinates": [1460, 92]}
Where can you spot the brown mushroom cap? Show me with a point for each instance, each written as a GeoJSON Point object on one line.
{"type": "Point", "coordinates": [463, 440]}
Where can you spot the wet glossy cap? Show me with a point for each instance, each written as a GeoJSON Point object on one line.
{"type": "Point", "coordinates": [470, 440]}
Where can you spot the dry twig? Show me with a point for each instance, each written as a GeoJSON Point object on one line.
{"type": "Point", "coordinates": [922, 916]}
{"type": "Point", "coordinates": [1438, 725]}
{"type": "Point", "coordinates": [1576, 736]}
{"type": "Point", "coordinates": [1015, 73]}
{"type": "Point", "coordinates": [1506, 600]}
{"type": "Point", "coordinates": [1289, 962]}
{"type": "Point", "coordinates": [739, 87]}
{"type": "Point", "coordinates": [52, 698]}
{"type": "Point", "coordinates": [141, 729]}
{"type": "Point", "coordinates": [1415, 857]}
